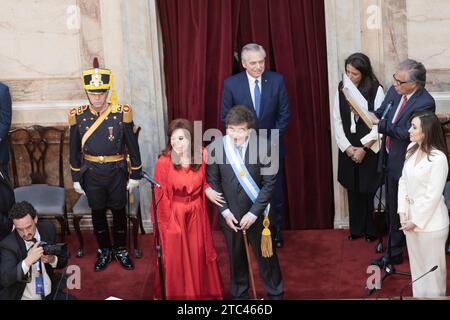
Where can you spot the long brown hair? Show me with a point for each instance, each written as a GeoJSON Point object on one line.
{"type": "Point", "coordinates": [188, 129]}
{"type": "Point", "coordinates": [433, 135]}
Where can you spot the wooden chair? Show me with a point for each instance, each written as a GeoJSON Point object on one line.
{"type": "Point", "coordinates": [29, 147]}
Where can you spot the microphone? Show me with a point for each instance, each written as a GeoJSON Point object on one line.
{"type": "Point", "coordinates": [389, 106]}
{"type": "Point", "coordinates": [411, 283]}
{"type": "Point", "coordinates": [150, 179]}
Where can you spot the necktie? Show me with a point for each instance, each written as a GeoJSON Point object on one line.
{"type": "Point", "coordinates": [257, 98]}
{"type": "Point", "coordinates": [388, 139]}
{"type": "Point", "coordinates": [240, 151]}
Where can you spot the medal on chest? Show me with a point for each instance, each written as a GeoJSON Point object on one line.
{"type": "Point", "coordinates": [111, 135]}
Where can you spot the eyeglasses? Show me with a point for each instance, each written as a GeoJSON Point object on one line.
{"type": "Point", "coordinates": [398, 82]}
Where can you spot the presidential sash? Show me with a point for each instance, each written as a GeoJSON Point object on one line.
{"type": "Point", "coordinates": [251, 189]}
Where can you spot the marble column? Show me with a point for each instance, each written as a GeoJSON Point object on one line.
{"type": "Point", "coordinates": [343, 38]}
{"type": "Point", "coordinates": [144, 84]}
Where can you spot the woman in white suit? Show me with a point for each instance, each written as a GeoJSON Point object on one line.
{"type": "Point", "coordinates": [423, 213]}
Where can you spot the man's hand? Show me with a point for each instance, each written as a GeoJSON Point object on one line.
{"type": "Point", "coordinates": [248, 220]}
{"type": "Point", "coordinates": [214, 196]}
{"type": "Point", "coordinates": [34, 254]}
{"type": "Point", "coordinates": [232, 222]}
{"type": "Point", "coordinates": [374, 118]}
{"type": "Point", "coordinates": [132, 184]}
{"type": "Point", "coordinates": [48, 259]}
{"type": "Point", "coordinates": [77, 187]}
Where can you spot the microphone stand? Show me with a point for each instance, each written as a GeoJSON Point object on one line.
{"type": "Point", "coordinates": [389, 268]}
{"type": "Point", "coordinates": [412, 282]}
{"type": "Point", "coordinates": [158, 242]}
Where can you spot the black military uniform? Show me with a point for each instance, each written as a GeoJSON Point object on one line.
{"type": "Point", "coordinates": [97, 160]}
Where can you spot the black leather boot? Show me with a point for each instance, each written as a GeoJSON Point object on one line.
{"type": "Point", "coordinates": [123, 258]}
{"type": "Point", "coordinates": [104, 257]}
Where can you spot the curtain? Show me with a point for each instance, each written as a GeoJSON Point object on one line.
{"type": "Point", "coordinates": [200, 38]}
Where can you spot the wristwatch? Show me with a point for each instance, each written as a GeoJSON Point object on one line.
{"type": "Point", "coordinates": [366, 149]}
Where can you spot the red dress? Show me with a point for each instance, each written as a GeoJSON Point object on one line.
{"type": "Point", "coordinates": [189, 257]}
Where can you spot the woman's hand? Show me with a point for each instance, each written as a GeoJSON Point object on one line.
{"type": "Point", "coordinates": [214, 196]}
{"type": "Point", "coordinates": [374, 118]}
{"type": "Point", "coordinates": [407, 226]}
{"type": "Point", "coordinates": [358, 155]}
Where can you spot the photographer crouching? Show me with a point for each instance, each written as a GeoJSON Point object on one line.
{"type": "Point", "coordinates": [28, 256]}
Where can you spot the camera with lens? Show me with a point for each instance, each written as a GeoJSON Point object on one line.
{"type": "Point", "coordinates": [52, 249]}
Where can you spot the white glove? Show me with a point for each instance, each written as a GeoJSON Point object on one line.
{"type": "Point", "coordinates": [132, 184]}
{"type": "Point", "coordinates": [77, 187]}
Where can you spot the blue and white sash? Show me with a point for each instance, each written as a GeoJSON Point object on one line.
{"type": "Point", "coordinates": [241, 172]}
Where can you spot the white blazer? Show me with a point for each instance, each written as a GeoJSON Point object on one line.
{"type": "Point", "coordinates": [420, 191]}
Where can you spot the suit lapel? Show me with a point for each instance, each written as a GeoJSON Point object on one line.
{"type": "Point", "coordinates": [409, 105]}
{"type": "Point", "coordinates": [246, 88]}
{"type": "Point", "coordinates": [21, 245]}
{"type": "Point", "coordinates": [265, 84]}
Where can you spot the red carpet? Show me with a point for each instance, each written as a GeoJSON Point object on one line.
{"type": "Point", "coordinates": [316, 264]}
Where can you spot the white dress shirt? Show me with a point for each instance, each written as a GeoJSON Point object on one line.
{"type": "Point", "coordinates": [400, 104]}
{"type": "Point", "coordinates": [30, 289]}
{"type": "Point", "coordinates": [339, 133]}
{"type": "Point", "coordinates": [251, 84]}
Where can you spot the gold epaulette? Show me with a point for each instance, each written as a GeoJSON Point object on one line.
{"type": "Point", "coordinates": [74, 112]}
{"type": "Point", "coordinates": [127, 114]}
{"type": "Point", "coordinates": [72, 117]}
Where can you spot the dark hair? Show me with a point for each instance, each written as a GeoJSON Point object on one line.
{"type": "Point", "coordinates": [433, 134]}
{"type": "Point", "coordinates": [239, 115]}
{"type": "Point", "coordinates": [189, 131]}
{"type": "Point", "coordinates": [416, 72]}
{"type": "Point", "coordinates": [361, 62]}
{"type": "Point", "coordinates": [20, 210]}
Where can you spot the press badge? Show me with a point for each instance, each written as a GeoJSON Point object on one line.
{"type": "Point", "coordinates": [40, 285]}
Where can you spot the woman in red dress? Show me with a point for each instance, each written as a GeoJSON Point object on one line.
{"type": "Point", "coordinates": [189, 257]}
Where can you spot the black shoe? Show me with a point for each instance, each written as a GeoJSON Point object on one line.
{"type": "Point", "coordinates": [352, 237]}
{"type": "Point", "coordinates": [104, 257]}
{"type": "Point", "coordinates": [278, 239]}
{"type": "Point", "coordinates": [124, 258]}
{"type": "Point", "coordinates": [370, 238]}
{"type": "Point", "coordinates": [382, 262]}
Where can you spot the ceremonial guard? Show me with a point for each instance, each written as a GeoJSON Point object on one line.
{"type": "Point", "coordinates": [101, 134]}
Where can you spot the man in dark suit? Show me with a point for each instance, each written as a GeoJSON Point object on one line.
{"type": "Point", "coordinates": [406, 97]}
{"type": "Point", "coordinates": [26, 273]}
{"type": "Point", "coordinates": [5, 124]}
{"type": "Point", "coordinates": [6, 202]}
{"type": "Point", "coordinates": [264, 94]}
{"type": "Point", "coordinates": [239, 212]}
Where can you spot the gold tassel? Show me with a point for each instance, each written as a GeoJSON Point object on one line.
{"type": "Point", "coordinates": [266, 239]}
{"type": "Point", "coordinates": [113, 92]}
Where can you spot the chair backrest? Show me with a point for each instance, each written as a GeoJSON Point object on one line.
{"type": "Point", "coordinates": [32, 144]}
